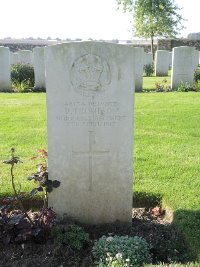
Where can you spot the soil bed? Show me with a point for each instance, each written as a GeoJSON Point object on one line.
{"type": "Point", "coordinates": [166, 245]}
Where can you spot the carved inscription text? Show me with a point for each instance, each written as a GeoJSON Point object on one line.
{"type": "Point", "coordinates": [91, 114]}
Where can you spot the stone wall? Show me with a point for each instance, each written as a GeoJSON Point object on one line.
{"type": "Point", "coordinates": [16, 45]}
{"type": "Point", "coordinates": [169, 44]}
{"type": "Point", "coordinates": [161, 44]}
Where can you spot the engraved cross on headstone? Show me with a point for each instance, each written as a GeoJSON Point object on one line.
{"type": "Point", "coordinates": [91, 153]}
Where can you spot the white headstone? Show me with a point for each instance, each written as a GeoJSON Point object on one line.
{"type": "Point", "coordinates": [25, 56]}
{"type": "Point", "coordinates": [5, 78]}
{"type": "Point", "coordinates": [39, 67]}
{"type": "Point", "coordinates": [196, 60]}
{"type": "Point", "coordinates": [14, 58]}
{"type": "Point", "coordinates": [161, 63]}
{"type": "Point", "coordinates": [90, 91]}
{"type": "Point", "coordinates": [170, 59]}
{"type": "Point", "coordinates": [148, 58]}
{"type": "Point", "coordinates": [139, 64]}
{"type": "Point", "coordinates": [199, 57]}
{"type": "Point", "coordinates": [183, 59]}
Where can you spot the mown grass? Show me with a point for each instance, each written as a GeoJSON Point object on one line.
{"type": "Point", "coordinates": [166, 152]}
{"type": "Point", "coordinates": [167, 156]}
{"type": "Point", "coordinates": [23, 126]}
{"type": "Point", "coordinates": [149, 83]}
{"type": "Point", "coordinates": [175, 265]}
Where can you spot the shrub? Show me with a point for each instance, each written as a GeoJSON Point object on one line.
{"type": "Point", "coordinates": [197, 76]}
{"type": "Point", "coordinates": [22, 76]}
{"type": "Point", "coordinates": [184, 87]}
{"type": "Point", "coordinates": [162, 86]}
{"type": "Point", "coordinates": [124, 250]}
{"type": "Point", "coordinates": [148, 70]}
{"type": "Point", "coordinates": [72, 235]}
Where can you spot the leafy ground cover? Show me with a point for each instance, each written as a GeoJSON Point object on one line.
{"type": "Point", "coordinates": [166, 161]}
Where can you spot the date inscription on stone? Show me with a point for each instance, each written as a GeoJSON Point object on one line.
{"type": "Point", "coordinates": [91, 114]}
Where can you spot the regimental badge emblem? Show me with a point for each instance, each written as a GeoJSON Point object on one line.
{"type": "Point", "coordinates": [90, 75]}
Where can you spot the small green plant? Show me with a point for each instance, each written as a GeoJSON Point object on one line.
{"type": "Point", "coordinates": [22, 77]}
{"type": "Point", "coordinates": [124, 250]}
{"type": "Point", "coordinates": [162, 87]}
{"type": "Point", "coordinates": [41, 177]}
{"type": "Point", "coordinates": [71, 235]}
{"type": "Point", "coordinates": [148, 70]}
{"type": "Point", "coordinates": [197, 80]}
{"type": "Point", "coordinates": [197, 75]}
{"type": "Point", "coordinates": [12, 162]}
{"type": "Point", "coordinates": [21, 87]}
{"type": "Point", "coordinates": [184, 87]}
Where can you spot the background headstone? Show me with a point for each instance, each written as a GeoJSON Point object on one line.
{"type": "Point", "coordinates": [14, 58]}
{"type": "Point", "coordinates": [148, 58]}
{"type": "Point", "coordinates": [39, 67]}
{"type": "Point", "coordinates": [161, 63]}
{"type": "Point", "coordinates": [90, 91]}
{"type": "Point", "coordinates": [26, 56]}
{"type": "Point", "coordinates": [170, 59]}
{"type": "Point", "coordinates": [196, 60]}
{"type": "Point", "coordinates": [183, 59]}
{"type": "Point", "coordinates": [5, 78]}
{"type": "Point", "coordinates": [139, 65]}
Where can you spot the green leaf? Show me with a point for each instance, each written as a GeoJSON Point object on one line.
{"type": "Point", "coordinates": [34, 192]}
{"type": "Point", "coordinates": [40, 189]}
{"type": "Point", "coordinates": [49, 188]}
{"type": "Point", "coordinates": [56, 183]}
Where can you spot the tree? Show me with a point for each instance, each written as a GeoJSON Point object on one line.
{"type": "Point", "coordinates": [154, 18]}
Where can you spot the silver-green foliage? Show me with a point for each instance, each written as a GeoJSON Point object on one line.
{"type": "Point", "coordinates": [121, 251]}
{"type": "Point", "coordinates": [73, 235]}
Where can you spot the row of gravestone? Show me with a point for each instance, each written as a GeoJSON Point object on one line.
{"type": "Point", "coordinates": [35, 58]}
{"type": "Point", "coordinates": [183, 60]}
{"type": "Point", "coordinates": [90, 110]}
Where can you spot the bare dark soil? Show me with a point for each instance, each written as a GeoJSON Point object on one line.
{"type": "Point", "coordinates": [166, 244]}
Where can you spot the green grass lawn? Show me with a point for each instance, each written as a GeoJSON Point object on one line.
{"type": "Point", "coordinates": [166, 150]}
{"type": "Point", "coordinates": [149, 83]}
{"type": "Point", "coordinates": [167, 156]}
{"type": "Point", "coordinates": [23, 126]}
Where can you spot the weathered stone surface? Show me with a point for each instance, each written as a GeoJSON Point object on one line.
{"type": "Point", "coordinates": [14, 58]}
{"type": "Point", "coordinates": [161, 63]}
{"type": "Point", "coordinates": [139, 64]}
{"type": "Point", "coordinates": [148, 58]}
{"type": "Point", "coordinates": [5, 78]}
{"type": "Point", "coordinates": [90, 91]}
{"type": "Point", "coordinates": [26, 56]}
{"type": "Point", "coordinates": [39, 67]}
{"type": "Point", "coordinates": [183, 62]}
{"type": "Point", "coordinates": [170, 59]}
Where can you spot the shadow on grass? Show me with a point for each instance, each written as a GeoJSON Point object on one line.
{"type": "Point", "coordinates": [187, 223]}
{"type": "Point", "coordinates": [143, 199]}
{"type": "Point", "coordinates": [29, 203]}
{"type": "Point", "coordinates": [180, 238]}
